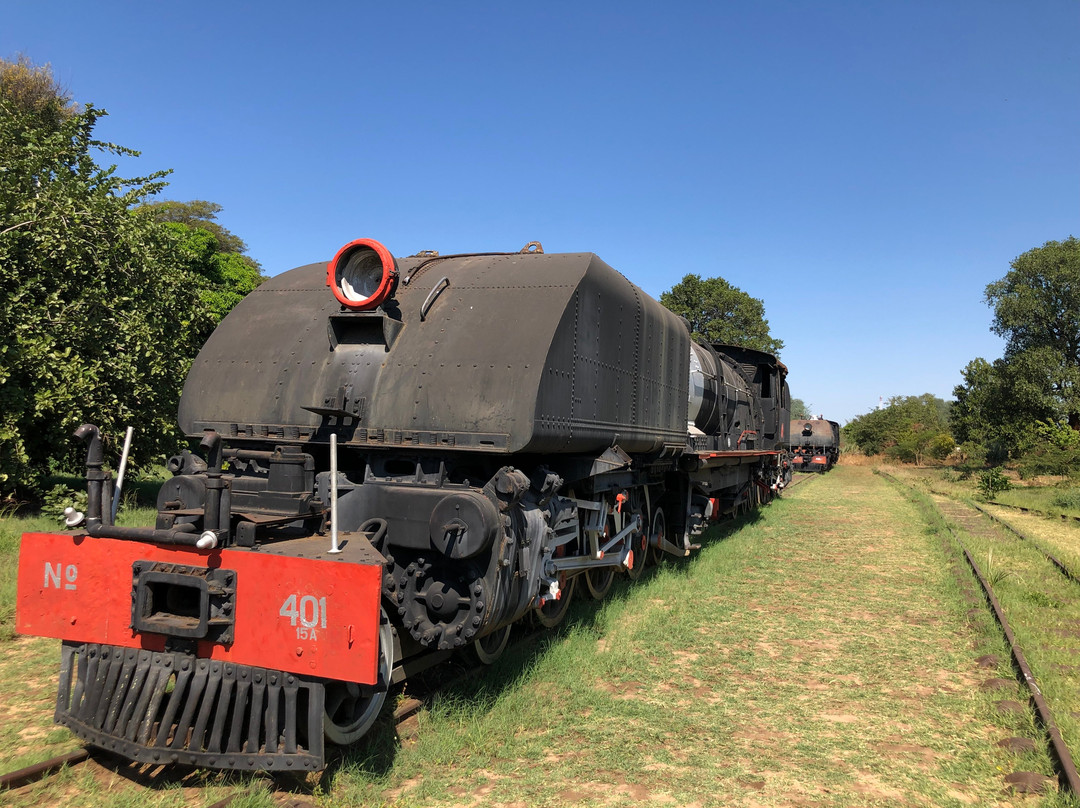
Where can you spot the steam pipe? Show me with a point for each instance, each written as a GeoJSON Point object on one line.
{"type": "Point", "coordinates": [106, 500]}
{"type": "Point", "coordinates": [178, 535]}
{"type": "Point", "coordinates": [212, 507]}
{"type": "Point", "coordinates": [94, 475]}
{"type": "Point", "coordinates": [211, 444]}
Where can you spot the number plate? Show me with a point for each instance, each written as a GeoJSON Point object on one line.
{"type": "Point", "coordinates": [300, 615]}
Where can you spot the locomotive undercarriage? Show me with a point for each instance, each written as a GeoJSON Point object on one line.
{"type": "Point", "coordinates": [462, 561]}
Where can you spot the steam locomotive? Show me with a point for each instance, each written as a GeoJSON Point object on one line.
{"type": "Point", "coordinates": [815, 444]}
{"type": "Point", "coordinates": [391, 470]}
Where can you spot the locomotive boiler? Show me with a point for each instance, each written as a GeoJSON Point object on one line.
{"type": "Point", "coordinates": [398, 459]}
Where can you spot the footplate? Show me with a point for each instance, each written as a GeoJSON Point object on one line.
{"type": "Point", "coordinates": [170, 707]}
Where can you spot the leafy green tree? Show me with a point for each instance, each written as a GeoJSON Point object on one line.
{"type": "Point", "coordinates": [198, 213]}
{"type": "Point", "coordinates": [917, 442]}
{"type": "Point", "coordinates": [906, 427]}
{"type": "Point", "coordinates": [104, 306]}
{"type": "Point", "coordinates": [213, 253]}
{"type": "Point", "coordinates": [800, 409]}
{"type": "Point", "coordinates": [941, 446]}
{"type": "Point", "coordinates": [223, 279]}
{"type": "Point", "coordinates": [997, 403]}
{"type": "Point", "coordinates": [721, 313]}
{"type": "Point", "coordinates": [1037, 311]}
{"type": "Point", "coordinates": [1050, 448]}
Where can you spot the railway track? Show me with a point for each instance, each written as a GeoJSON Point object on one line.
{"type": "Point", "coordinates": [39, 771]}
{"type": "Point", "coordinates": [1058, 564]}
{"type": "Point", "coordinates": [965, 515]}
{"type": "Point", "coordinates": [146, 776]}
{"type": "Point", "coordinates": [799, 479]}
{"type": "Point", "coordinates": [423, 689]}
{"type": "Point", "coordinates": [403, 714]}
{"type": "Point", "coordinates": [1063, 516]}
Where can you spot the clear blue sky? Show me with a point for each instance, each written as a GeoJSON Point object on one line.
{"type": "Point", "coordinates": [865, 168]}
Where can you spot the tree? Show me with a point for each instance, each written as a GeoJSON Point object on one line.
{"type": "Point", "coordinates": [223, 279]}
{"type": "Point", "coordinates": [721, 313]}
{"type": "Point", "coordinates": [1051, 448]}
{"type": "Point", "coordinates": [1037, 311]}
{"type": "Point", "coordinates": [34, 92]}
{"type": "Point", "coordinates": [198, 213]}
{"type": "Point", "coordinates": [997, 403]}
{"type": "Point", "coordinates": [103, 309]}
{"type": "Point", "coordinates": [800, 409]}
{"type": "Point", "coordinates": [213, 253]}
{"type": "Point", "coordinates": [907, 427]}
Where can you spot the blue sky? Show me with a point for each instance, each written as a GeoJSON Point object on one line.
{"type": "Point", "coordinates": [865, 168]}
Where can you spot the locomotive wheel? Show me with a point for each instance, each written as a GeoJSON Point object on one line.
{"type": "Point", "coordinates": [658, 530]}
{"type": "Point", "coordinates": [554, 611]}
{"type": "Point", "coordinates": [351, 709]}
{"type": "Point", "coordinates": [639, 546]}
{"type": "Point", "coordinates": [598, 582]}
{"type": "Point", "coordinates": [491, 646]}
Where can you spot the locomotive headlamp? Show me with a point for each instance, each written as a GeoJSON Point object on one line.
{"type": "Point", "coordinates": [362, 275]}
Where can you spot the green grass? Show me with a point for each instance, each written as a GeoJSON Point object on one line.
{"type": "Point", "coordinates": [1061, 539]}
{"type": "Point", "coordinates": [1055, 498]}
{"type": "Point", "coordinates": [820, 654]}
{"type": "Point", "coordinates": [1051, 499]}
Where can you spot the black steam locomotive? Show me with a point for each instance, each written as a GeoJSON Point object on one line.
{"type": "Point", "coordinates": [391, 470]}
{"type": "Point", "coordinates": [815, 444]}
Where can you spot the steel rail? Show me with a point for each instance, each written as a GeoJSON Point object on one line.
{"type": "Point", "coordinates": [1065, 517]}
{"type": "Point", "coordinates": [802, 478]}
{"type": "Point", "coordinates": [1068, 774]}
{"type": "Point", "coordinates": [39, 771]}
{"type": "Point", "coordinates": [1068, 573]}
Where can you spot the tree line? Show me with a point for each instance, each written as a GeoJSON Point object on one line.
{"type": "Point", "coordinates": [107, 294]}
{"type": "Point", "coordinates": [1023, 407]}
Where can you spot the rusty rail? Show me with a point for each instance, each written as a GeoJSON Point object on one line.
{"type": "Point", "coordinates": [1065, 517]}
{"type": "Point", "coordinates": [1053, 560]}
{"type": "Point", "coordinates": [39, 771]}
{"type": "Point", "coordinates": [1068, 774]}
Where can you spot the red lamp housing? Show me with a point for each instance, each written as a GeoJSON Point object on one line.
{"type": "Point", "coordinates": [362, 275]}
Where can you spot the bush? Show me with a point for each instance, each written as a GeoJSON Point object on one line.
{"type": "Point", "coordinates": [60, 497]}
{"type": "Point", "coordinates": [1067, 500]}
{"type": "Point", "coordinates": [1049, 460]}
{"type": "Point", "coordinates": [992, 482]}
{"type": "Point", "coordinates": [941, 446]}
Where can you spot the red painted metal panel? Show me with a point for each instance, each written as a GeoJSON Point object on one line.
{"type": "Point", "coordinates": [319, 618]}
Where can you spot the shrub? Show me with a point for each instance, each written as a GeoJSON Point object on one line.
{"type": "Point", "coordinates": [941, 446]}
{"type": "Point", "coordinates": [1068, 500]}
{"type": "Point", "coordinates": [992, 482]}
{"type": "Point", "coordinates": [60, 497]}
{"type": "Point", "coordinates": [1061, 462]}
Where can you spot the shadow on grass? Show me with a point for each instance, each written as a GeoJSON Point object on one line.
{"type": "Point", "coordinates": [456, 681]}
{"type": "Point", "coordinates": [158, 777]}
